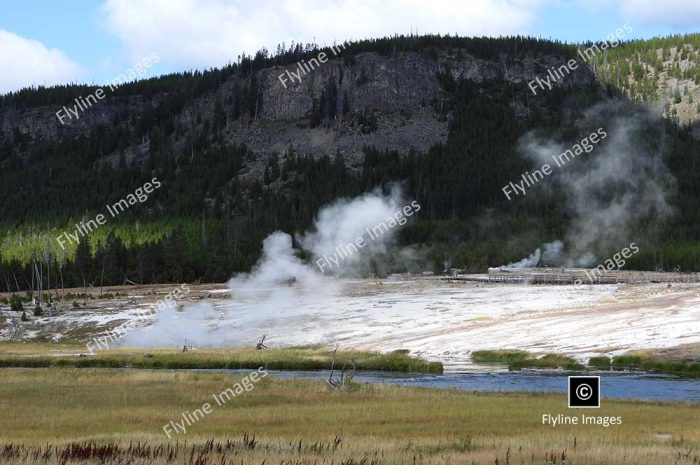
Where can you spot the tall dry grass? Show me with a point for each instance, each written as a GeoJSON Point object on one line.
{"type": "Point", "coordinates": [77, 411]}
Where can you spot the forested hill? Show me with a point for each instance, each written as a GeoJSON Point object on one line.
{"type": "Point", "coordinates": [663, 70]}
{"type": "Point", "coordinates": [239, 154]}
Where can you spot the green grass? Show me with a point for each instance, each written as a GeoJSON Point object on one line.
{"type": "Point", "coordinates": [499, 356]}
{"type": "Point", "coordinates": [517, 360]}
{"type": "Point", "coordinates": [657, 364]}
{"type": "Point", "coordinates": [547, 361]}
{"type": "Point", "coordinates": [600, 362]}
{"type": "Point", "coordinates": [38, 355]}
{"type": "Point", "coordinates": [303, 422]}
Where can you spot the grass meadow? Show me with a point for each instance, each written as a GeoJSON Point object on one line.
{"type": "Point", "coordinates": [41, 355]}
{"type": "Point", "coordinates": [110, 416]}
{"type": "Point", "coordinates": [649, 361]}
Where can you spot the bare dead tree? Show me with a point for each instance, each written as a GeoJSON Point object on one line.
{"type": "Point", "coordinates": [261, 343]}
{"type": "Point", "coordinates": [63, 289]}
{"type": "Point", "coordinates": [331, 381]}
{"type": "Point", "coordinates": [16, 283]}
{"type": "Point", "coordinates": [346, 374]}
{"type": "Point", "coordinates": [40, 281]}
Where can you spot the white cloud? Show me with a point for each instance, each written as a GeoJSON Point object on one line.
{"type": "Point", "coordinates": [26, 62]}
{"type": "Point", "coordinates": [204, 33]}
{"type": "Point", "coordinates": [671, 13]}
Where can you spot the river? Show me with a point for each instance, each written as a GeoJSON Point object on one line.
{"type": "Point", "coordinates": [637, 386]}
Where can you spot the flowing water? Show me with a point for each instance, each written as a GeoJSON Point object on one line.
{"type": "Point", "coordinates": [638, 386]}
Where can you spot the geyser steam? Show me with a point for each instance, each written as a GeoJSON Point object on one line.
{"type": "Point", "coordinates": [281, 282]}
{"type": "Point", "coordinates": [622, 184]}
{"type": "Point", "coordinates": [550, 256]}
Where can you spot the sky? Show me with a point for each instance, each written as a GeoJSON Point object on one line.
{"type": "Point", "coordinates": [47, 42]}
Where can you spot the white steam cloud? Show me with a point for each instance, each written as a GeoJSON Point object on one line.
{"type": "Point", "coordinates": [280, 283]}
{"type": "Point", "coordinates": [549, 255]}
{"type": "Point", "coordinates": [345, 222]}
{"type": "Point", "coordinates": [621, 184]}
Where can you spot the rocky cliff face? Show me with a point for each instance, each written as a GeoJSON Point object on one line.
{"type": "Point", "coordinates": [392, 102]}
{"type": "Point", "coordinates": [401, 94]}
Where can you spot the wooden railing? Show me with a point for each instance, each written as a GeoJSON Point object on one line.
{"type": "Point", "coordinates": [579, 278]}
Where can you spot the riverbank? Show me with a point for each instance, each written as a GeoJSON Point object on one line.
{"type": "Point", "coordinates": [652, 361]}
{"type": "Point", "coordinates": [35, 355]}
{"type": "Point", "coordinates": [305, 423]}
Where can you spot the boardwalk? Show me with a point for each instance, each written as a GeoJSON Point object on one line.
{"type": "Point", "coordinates": [578, 276]}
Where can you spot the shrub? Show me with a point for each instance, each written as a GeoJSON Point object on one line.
{"type": "Point", "coordinates": [499, 356]}
{"type": "Point", "coordinates": [38, 311]}
{"type": "Point", "coordinates": [24, 317]}
{"type": "Point", "coordinates": [16, 303]}
{"type": "Point", "coordinates": [76, 304]}
{"type": "Point", "coordinates": [627, 360]}
{"type": "Point", "coordinates": [600, 362]}
{"type": "Point", "coordinates": [547, 361]}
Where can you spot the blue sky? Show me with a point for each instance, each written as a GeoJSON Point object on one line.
{"type": "Point", "coordinates": [93, 41]}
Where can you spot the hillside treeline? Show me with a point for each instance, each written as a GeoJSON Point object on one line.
{"type": "Point", "coordinates": [207, 221]}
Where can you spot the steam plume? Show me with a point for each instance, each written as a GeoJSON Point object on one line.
{"type": "Point", "coordinates": [281, 282]}
{"type": "Point", "coordinates": [622, 184]}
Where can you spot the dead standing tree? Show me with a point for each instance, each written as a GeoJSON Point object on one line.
{"type": "Point", "coordinates": [341, 383]}
{"type": "Point", "coordinates": [261, 343]}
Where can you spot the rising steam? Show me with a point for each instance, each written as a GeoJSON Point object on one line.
{"type": "Point", "coordinates": [549, 255]}
{"type": "Point", "coordinates": [281, 282]}
{"type": "Point", "coordinates": [610, 192]}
